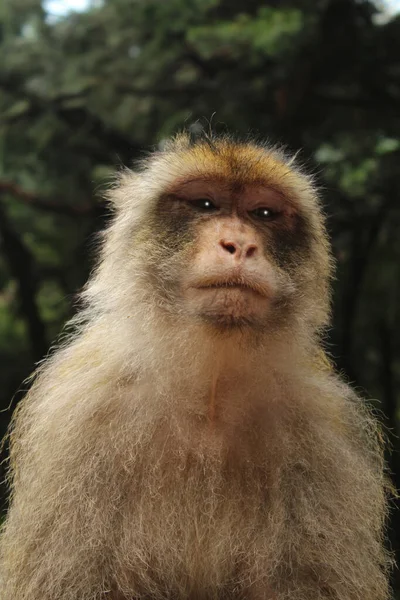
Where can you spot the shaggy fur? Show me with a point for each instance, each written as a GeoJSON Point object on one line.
{"type": "Point", "coordinates": [157, 458]}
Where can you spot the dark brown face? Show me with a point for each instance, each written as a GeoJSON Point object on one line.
{"type": "Point", "coordinates": [229, 254]}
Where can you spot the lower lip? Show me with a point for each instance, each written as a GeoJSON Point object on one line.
{"type": "Point", "coordinates": [229, 288]}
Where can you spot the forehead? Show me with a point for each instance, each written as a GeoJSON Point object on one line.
{"type": "Point", "coordinates": [226, 192]}
{"type": "Point", "coordinates": [230, 166]}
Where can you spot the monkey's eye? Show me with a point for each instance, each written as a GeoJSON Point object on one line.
{"type": "Point", "coordinates": [204, 205]}
{"type": "Point", "coordinates": [264, 214]}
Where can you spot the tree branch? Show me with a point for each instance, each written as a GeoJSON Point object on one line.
{"type": "Point", "coordinates": [113, 141]}
{"type": "Point", "coordinates": [363, 243]}
{"type": "Point", "coordinates": [20, 262]}
{"type": "Point", "coordinates": [37, 201]}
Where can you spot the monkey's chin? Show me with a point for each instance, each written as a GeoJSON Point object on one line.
{"type": "Point", "coordinates": [230, 307]}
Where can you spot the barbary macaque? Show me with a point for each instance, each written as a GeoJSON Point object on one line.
{"type": "Point", "coordinates": [190, 440]}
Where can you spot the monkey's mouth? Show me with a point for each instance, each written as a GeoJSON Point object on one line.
{"type": "Point", "coordinates": [230, 299]}
{"type": "Point", "coordinates": [255, 287]}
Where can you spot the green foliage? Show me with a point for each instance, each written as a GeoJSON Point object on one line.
{"type": "Point", "coordinates": [269, 33]}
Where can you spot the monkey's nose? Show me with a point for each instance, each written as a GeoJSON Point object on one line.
{"type": "Point", "coordinates": [239, 250]}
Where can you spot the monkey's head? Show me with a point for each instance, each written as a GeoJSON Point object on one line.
{"type": "Point", "coordinates": [222, 233]}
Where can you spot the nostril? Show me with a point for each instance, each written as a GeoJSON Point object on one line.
{"type": "Point", "coordinates": [250, 251]}
{"type": "Point", "coordinates": [229, 247]}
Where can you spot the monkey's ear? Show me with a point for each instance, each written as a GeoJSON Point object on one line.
{"type": "Point", "coordinates": [124, 189]}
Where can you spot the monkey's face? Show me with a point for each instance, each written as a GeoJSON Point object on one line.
{"type": "Point", "coordinates": [232, 252]}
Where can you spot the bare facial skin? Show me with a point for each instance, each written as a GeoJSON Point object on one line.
{"type": "Point", "coordinates": [229, 276]}
{"type": "Point", "coordinates": [190, 440]}
{"type": "Point", "coordinates": [232, 281]}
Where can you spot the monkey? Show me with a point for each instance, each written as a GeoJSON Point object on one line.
{"type": "Point", "coordinates": [189, 439]}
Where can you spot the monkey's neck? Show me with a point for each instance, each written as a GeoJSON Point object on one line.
{"type": "Point", "coordinates": [217, 377]}
{"type": "Point", "coordinates": [213, 395]}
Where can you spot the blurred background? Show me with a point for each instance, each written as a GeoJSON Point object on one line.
{"type": "Point", "coordinates": [86, 87]}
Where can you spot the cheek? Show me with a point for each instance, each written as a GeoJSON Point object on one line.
{"type": "Point", "coordinates": [170, 231]}
{"type": "Point", "coordinates": [290, 247]}
{"type": "Point", "coordinates": [168, 249]}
